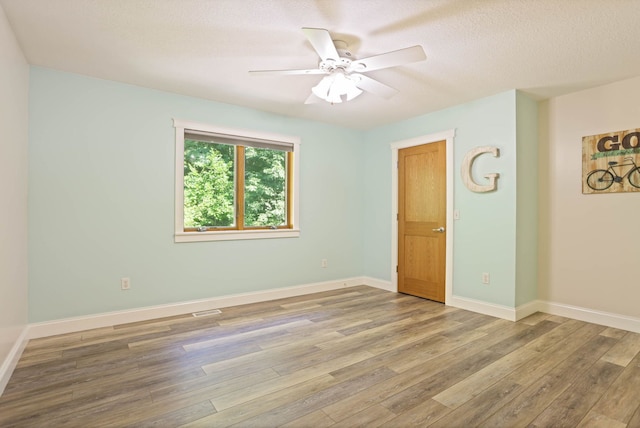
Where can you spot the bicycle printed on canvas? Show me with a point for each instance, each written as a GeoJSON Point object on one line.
{"type": "Point", "coordinates": [611, 162]}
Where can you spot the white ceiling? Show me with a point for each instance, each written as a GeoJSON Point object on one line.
{"type": "Point", "coordinates": [205, 48]}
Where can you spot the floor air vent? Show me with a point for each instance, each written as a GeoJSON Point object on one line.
{"type": "Point", "coordinates": [207, 313]}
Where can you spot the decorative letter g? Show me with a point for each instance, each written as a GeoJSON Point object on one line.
{"type": "Point", "coordinates": [467, 165]}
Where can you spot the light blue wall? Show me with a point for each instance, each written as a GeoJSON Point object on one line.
{"type": "Point", "coordinates": [484, 237]}
{"type": "Point", "coordinates": [101, 198]}
{"type": "Point", "coordinates": [527, 200]}
{"type": "Point", "coordinates": [101, 202]}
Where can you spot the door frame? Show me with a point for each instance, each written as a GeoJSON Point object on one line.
{"type": "Point", "coordinates": [412, 142]}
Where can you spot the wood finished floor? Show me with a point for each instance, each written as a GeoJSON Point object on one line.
{"type": "Point", "coordinates": [353, 357]}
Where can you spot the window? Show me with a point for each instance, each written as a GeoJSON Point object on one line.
{"type": "Point", "coordinates": [234, 184]}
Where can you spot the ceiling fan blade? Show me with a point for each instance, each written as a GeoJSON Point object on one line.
{"type": "Point", "coordinates": [284, 72]}
{"type": "Point", "coordinates": [321, 41]}
{"type": "Point", "coordinates": [390, 59]}
{"type": "Point", "coordinates": [370, 85]}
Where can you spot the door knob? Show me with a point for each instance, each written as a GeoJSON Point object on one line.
{"type": "Point", "coordinates": [439, 230]}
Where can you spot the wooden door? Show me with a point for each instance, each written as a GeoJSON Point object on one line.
{"type": "Point", "coordinates": [422, 197]}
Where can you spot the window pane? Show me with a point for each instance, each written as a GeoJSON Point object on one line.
{"type": "Point", "coordinates": [265, 187]}
{"type": "Point", "coordinates": [208, 184]}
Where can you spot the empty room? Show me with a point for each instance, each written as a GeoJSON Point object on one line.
{"type": "Point", "coordinates": [309, 213]}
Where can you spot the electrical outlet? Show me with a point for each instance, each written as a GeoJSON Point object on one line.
{"type": "Point", "coordinates": [323, 263]}
{"type": "Point", "coordinates": [485, 277]}
{"type": "Point", "coordinates": [125, 283]}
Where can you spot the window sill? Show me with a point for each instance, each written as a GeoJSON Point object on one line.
{"type": "Point", "coordinates": [235, 235]}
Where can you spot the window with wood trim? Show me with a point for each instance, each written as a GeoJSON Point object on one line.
{"type": "Point", "coordinates": [234, 184]}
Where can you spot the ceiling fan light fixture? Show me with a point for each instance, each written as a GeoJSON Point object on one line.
{"type": "Point", "coordinates": [321, 90]}
{"type": "Point", "coordinates": [334, 95]}
{"type": "Point", "coordinates": [336, 85]}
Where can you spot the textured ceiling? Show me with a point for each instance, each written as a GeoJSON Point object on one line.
{"type": "Point", "coordinates": [205, 48]}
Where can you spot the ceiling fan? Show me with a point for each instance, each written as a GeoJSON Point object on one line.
{"type": "Point", "coordinates": [343, 75]}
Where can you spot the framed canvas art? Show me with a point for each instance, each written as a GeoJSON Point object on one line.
{"type": "Point", "coordinates": [611, 162]}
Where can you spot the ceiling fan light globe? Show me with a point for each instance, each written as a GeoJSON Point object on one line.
{"type": "Point", "coordinates": [335, 92]}
{"type": "Point", "coordinates": [334, 99]}
{"type": "Point", "coordinates": [337, 87]}
{"type": "Point", "coordinates": [340, 82]}
{"type": "Point", "coordinates": [321, 90]}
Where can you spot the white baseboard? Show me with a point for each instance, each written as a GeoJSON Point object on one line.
{"type": "Point", "coordinates": [10, 362]}
{"type": "Point", "coordinates": [527, 309]}
{"type": "Point", "coordinates": [70, 325]}
{"type": "Point", "coordinates": [378, 283]}
{"type": "Point", "coordinates": [75, 324]}
{"type": "Point", "coordinates": [498, 311]}
{"type": "Point", "coordinates": [608, 319]}
{"type": "Point", "coordinates": [479, 306]}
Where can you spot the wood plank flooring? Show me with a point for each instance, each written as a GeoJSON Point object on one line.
{"type": "Point", "coordinates": [345, 358]}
